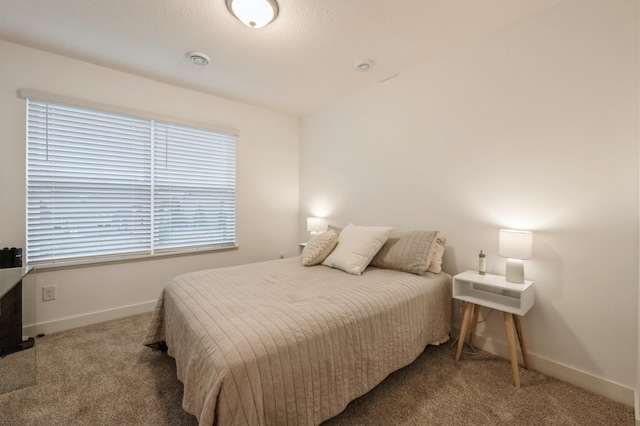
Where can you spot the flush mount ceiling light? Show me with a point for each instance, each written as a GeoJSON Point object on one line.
{"type": "Point", "coordinates": [363, 65]}
{"type": "Point", "coordinates": [198, 58]}
{"type": "Point", "coordinates": [253, 13]}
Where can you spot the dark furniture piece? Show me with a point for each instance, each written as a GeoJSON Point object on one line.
{"type": "Point", "coordinates": [11, 274]}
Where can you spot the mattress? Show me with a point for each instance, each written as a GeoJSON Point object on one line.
{"type": "Point", "coordinates": [277, 343]}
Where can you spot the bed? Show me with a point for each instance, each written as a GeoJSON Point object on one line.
{"type": "Point", "coordinates": [278, 343]}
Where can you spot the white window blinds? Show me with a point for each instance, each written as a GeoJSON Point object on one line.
{"type": "Point", "coordinates": [193, 187]}
{"type": "Point", "coordinates": [103, 184]}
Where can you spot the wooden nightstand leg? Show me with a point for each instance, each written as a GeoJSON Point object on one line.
{"type": "Point", "coordinates": [508, 325]}
{"type": "Point", "coordinates": [463, 329]}
{"type": "Point", "coordinates": [523, 346]}
{"type": "Point", "coordinates": [474, 323]}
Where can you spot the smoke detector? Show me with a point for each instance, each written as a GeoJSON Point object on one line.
{"type": "Point", "coordinates": [363, 65]}
{"type": "Point", "coordinates": [198, 58]}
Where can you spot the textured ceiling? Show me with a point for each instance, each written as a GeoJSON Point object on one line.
{"type": "Point", "coordinates": [298, 63]}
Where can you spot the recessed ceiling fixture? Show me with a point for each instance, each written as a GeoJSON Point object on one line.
{"type": "Point", "coordinates": [363, 65]}
{"type": "Point", "coordinates": [198, 58]}
{"type": "Point", "coordinates": [253, 13]}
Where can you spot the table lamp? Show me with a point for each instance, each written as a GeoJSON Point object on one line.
{"type": "Point", "coordinates": [516, 246]}
{"type": "Point", "coordinates": [314, 225]}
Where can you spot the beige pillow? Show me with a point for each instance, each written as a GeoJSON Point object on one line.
{"type": "Point", "coordinates": [356, 247]}
{"type": "Point", "coordinates": [436, 258]}
{"type": "Point", "coordinates": [407, 252]}
{"type": "Point", "coordinates": [318, 248]}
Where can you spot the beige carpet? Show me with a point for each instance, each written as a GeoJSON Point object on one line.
{"type": "Point", "coordinates": [102, 375]}
{"type": "Point", "coordinates": [18, 370]}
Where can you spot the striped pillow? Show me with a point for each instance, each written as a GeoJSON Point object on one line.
{"type": "Point", "coordinates": [407, 252]}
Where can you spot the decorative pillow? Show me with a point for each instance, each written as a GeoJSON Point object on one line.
{"type": "Point", "coordinates": [407, 252]}
{"type": "Point", "coordinates": [356, 247]}
{"type": "Point", "coordinates": [438, 252]}
{"type": "Point", "coordinates": [318, 248]}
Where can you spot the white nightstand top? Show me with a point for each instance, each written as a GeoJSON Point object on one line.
{"type": "Point", "coordinates": [493, 291]}
{"type": "Point", "coordinates": [498, 281]}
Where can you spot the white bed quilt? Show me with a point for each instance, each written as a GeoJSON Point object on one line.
{"type": "Point", "coordinates": [277, 343]}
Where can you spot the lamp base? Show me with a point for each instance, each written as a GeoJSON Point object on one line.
{"type": "Point", "coordinates": [515, 271]}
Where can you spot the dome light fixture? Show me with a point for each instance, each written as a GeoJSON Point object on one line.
{"type": "Point", "coordinates": [198, 58]}
{"type": "Point", "coordinates": [253, 13]}
{"type": "Point", "coordinates": [363, 65]}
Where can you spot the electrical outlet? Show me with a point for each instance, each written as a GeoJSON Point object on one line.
{"type": "Point", "coordinates": [48, 293]}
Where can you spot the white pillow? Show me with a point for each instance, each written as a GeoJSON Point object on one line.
{"type": "Point", "coordinates": [318, 248]}
{"type": "Point", "coordinates": [356, 247]}
{"type": "Point", "coordinates": [438, 252]}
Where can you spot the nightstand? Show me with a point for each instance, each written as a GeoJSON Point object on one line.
{"type": "Point", "coordinates": [493, 291]}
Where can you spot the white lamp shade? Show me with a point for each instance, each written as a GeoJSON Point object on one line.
{"type": "Point", "coordinates": [515, 244]}
{"type": "Point", "coordinates": [315, 224]}
{"type": "Point", "coordinates": [254, 13]}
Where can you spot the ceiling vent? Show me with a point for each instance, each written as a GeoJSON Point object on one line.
{"type": "Point", "coordinates": [363, 65]}
{"type": "Point", "coordinates": [198, 58]}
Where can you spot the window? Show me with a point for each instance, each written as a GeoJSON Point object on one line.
{"type": "Point", "coordinates": [103, 184]}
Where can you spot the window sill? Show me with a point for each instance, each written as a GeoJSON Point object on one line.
{"type": "Point", "coordinates": [96, 261]}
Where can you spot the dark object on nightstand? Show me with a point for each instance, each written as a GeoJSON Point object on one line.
{"type": "Point", "coordinates": [10, 258]}
{"type": "Point", "coordinates": [11, 308]}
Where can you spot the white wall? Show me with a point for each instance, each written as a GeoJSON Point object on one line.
{"type": "Point", "coordinates": [534, 127]}
{"type": "Point", "coordinates": [267, 182]}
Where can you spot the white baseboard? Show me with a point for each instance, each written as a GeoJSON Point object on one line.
{"type": "Point", "coordinates": [87, 319]}
{"type": "Point", "coordinates": [566, 373]}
